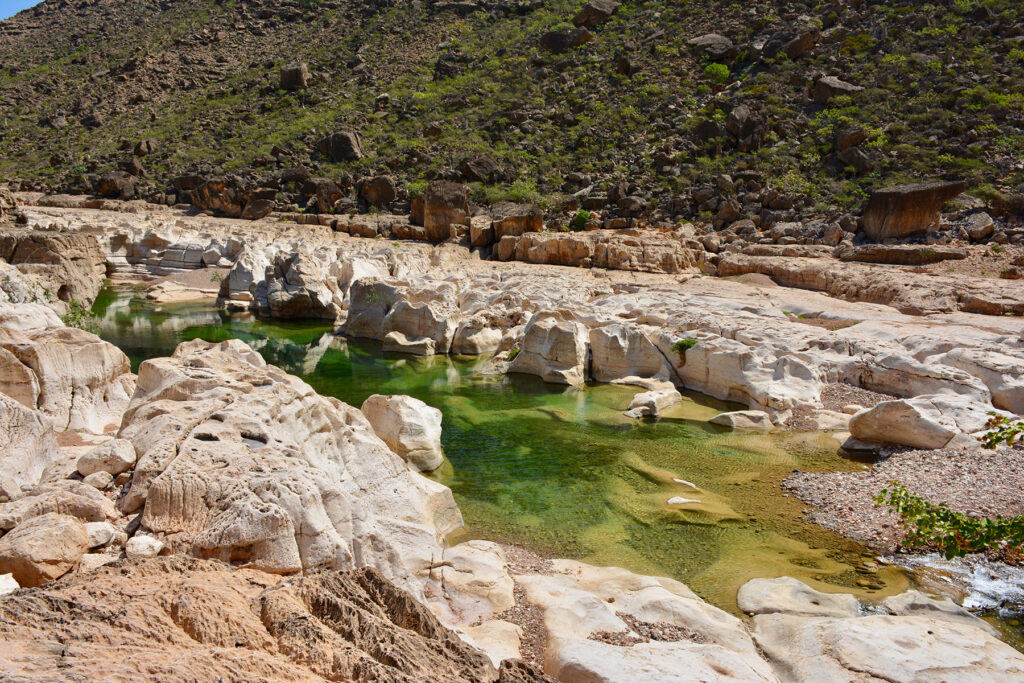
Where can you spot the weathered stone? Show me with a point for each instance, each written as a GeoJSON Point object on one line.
{"type": "Point", "coordinates": [554, 349]}
{"type": "Point", "coordinates": [445, 205]}
{"type": "Point", "coordinates": [980, 226]}
{"type": "Point", "coordinates": [27, 446]}
{"type": "Point", "coordinates": [716, 47]}
{"type": "Point", "coordinates": [827, 87]}
{"type": "Point", "coordinates": [789, 596]}
{"type": "Point", "coordinates": [42, 549]}
{"type": "Point", "coordinates": [114, 457]}
{"type": "Point", "coordinates": [379, 191]}
{"type": "Point", "coordinates": [341, 146]}
{"type": "Point", "coordinates": [595, 13]}
{"type": "Point", "coordinates": [561, 41]}
{"type": "Point", "coordinates": [899, 254]}
{"type": "Point", "coordinates": [905, 210]}
{"type": "Point", "coordinates": [294, 76]}
{"type": "Point", "coordinates": [744, 419]}
{"type": "Point", "coordinates": [409, 427]}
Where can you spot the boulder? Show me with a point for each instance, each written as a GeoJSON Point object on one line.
{"type": "Point", "coordinates": [409, 427]}
{"type": "Point", "coordinates": [143, 546]}
{"type": "Point", "coordinates": [624, 353]}
{"type": "Point", "coordinates": [294, 76]}
{"type": "Point", "coordinates": [64, 496]}
{"type": "Point", "coordinates": [100, 533]}
{"type": "Point", "coordinates": [595, 13]}
{"type": "Point", "coordinates": [113, 457]}
{"type": "Point", "coordinates": [444, 205]}
{"type": "Point", "coordinates": [8, 205]}
{"type": "Point", "coordinates": [475, 337]}
{"type": "Point", "coordinates": [256, 209]}
{"type": "Point", "coordinates": [115, 185]}
{"type": "Point", "coordinates": [744, 419]}
{"type": "Point", "coordinates": [980, 226]}
{"type": "Point", "coordinates": [827, 87]}
{"type": "Point", "coordinates": [341, 146]}
{"type": "Point", "coordinates": [27, 446]}
{"type": "Point", "coordinates": [554, 348]}
{"type": "Point", "coordinates": [904, 210]}
{"type": "Point", "coordinates": [480, 169]}
{"type": "Point", "coordinates": [651, 403]}
{"type": "Point", "coordinates": [42, 548]}
{"type": "Point", "coordinates": [905, 422]}
{"type": "Point", "coordinates": [297, 288]}
{"type": "Point", "coordinates": [916, 604]}
{"type": "Point", "coordinates": [899, 254]}
{"type": "Point", "coordinates": [717, 47]}
{"type": "Point", "coordinates": [562, 41]}
{"type": "Point", "coordinates": [8, 584]}
{"type": "Point", "coordinates": [379, 191]}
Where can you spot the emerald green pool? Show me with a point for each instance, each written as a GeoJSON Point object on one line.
{"type": "Point", "coordinates": [562, 471]}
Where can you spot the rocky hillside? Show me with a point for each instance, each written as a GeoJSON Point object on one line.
{"type": "Point", "coordinates": [809, 106]}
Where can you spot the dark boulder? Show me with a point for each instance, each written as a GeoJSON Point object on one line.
{"type": "Point", "coordinates": [905, 210]}
{"type": "Point", "coordinates": [480, 169]}
{"type": "Point", "coordinates": [561, 41]}
{"type": "Point", "coordinates": [116, 185]}
{"type": "Point", "coordinates": [378, 191]}
{"type": "Point", "coordinates": [294, 76]}
{"type": "Point", "coordinates": [445, 204]}
{"type": "Point", "coordinates": [341, 146]}
{"type": "Point", "coordinates": [595, 13]}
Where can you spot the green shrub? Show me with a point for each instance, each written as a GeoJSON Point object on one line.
{"type": "Point", "coordinates": [513, 353]}
{"type": "Point", "coordinates": [953, 533]}
{"type": "Point", "coordinates": [580, 220]}
{"type": "Point", "coordinates": [716, 73]}
{"type": "Point", "coordinates": [683, 345]}
{"type": "Point", "coordinates": [81, 317]}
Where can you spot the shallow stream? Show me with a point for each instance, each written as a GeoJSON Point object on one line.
{"type": "Point", "coordinates": [563, 471]}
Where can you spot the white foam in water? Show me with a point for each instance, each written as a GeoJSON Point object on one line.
{"type": "Point", "coordinates": [987, 585]}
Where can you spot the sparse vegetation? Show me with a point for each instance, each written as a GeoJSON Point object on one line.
{"type": "Point", "coordinates": [81, 317]}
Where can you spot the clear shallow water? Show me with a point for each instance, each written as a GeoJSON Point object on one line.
{"type": "Point", "coordinates": [561, 470]}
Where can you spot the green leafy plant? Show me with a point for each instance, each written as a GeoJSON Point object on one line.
{"type": "Point", "coordinates": [717, 73]}
{"type": "Point", "coordinates": [683, 345]}
{"type": "Point", "coordinates": [579, 221]}
{"type": "Point", "coordinates": [513, 353]}
{"type": "Point", "coordinates": [81, 317]}
{"type": "Point", "coordinates": [1001, 430]}
{"type": "Point", "coordinates": [953, 533]}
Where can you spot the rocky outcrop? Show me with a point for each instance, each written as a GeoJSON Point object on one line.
{"type": "Point", "coordinates": [812, 636]}
{"type": "Point", "coordinates": [69, 266]}
{"type": "Point", "coordinates": [181, 618]}
{"type": "Point", "coordinates": [600, 249]}
{"type": "Point", "coordinates": [409, 427]}
{"type": "Point", "coordinates": [899, 254]}
{"type": "Point", "coordinates": [606, 644]}
{"type": "Point", "coordinates": [71, 376]}
{"type": "Point", "coordinates": [241, 462]}
{"type": "Point", "coordinates": [875, 284]}
{"type": "Point", "coordinates": [906, 210]}
{"type": "Point", "coordinates": [554, 348]}
{"type": "Point", "coordinates": [296, 288]}
{"type": "Point", "coordinates": [27, 444]}
{"type": "Point", "coordinates": [595, 13]}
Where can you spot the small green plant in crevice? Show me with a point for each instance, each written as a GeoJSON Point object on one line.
{"type": "Point", "coordinates": [683, 345]}
{"type": "Point", "coordinates": [217, 277]}
{"type": "Point", "coordinates": [513, 353]}
{"type": "Point", "coordinates": [1001, 430]}
{"type": "Point", "coordinates": [997, 249]}
{"type": "Point", "coordinates": [953, 533]}
{"type": "Point", "coordinates": [81, 317]}
{"type": "Point", "coordinates": [579, 221]}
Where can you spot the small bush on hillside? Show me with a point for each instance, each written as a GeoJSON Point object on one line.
{"type": "Point", "coordinates": [717, 73]}
{"type": "Point", "coordinates": [579, 221]}
{"type": "Point", "coordinates": [81, 317]}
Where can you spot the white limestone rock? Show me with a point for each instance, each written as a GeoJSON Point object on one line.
{"type": "Point", "coordinates": [553, 348]}
{"type": "Point", "coordinates": [409, 427]}
{"type": "Point", "coordinates": [744, 419]}
{"type": "Point", "coordinates": [652, 403]}
{"type": "Point", "coordinates": [114, 457]}
{"type": "Point", "coordinates": [142, 546]}
{"type": "Point", "coordinates": [790, 596]}
{"type": "Point", "coordinates": [27, 444]}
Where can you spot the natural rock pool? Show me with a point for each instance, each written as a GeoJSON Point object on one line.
{"type": "Point", "coordinates": [563, 471]}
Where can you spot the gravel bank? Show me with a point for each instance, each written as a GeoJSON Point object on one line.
{"type": "Point", "coordinates": [973, 481]}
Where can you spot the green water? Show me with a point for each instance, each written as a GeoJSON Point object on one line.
{"type": "Point", "coordinates": [559, 470]}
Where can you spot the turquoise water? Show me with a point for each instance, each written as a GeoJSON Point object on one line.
{"type": "Point", "coordinates": [559, 470]}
